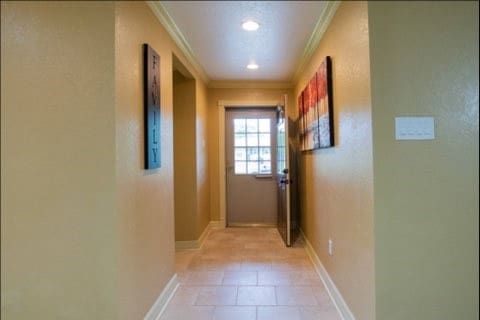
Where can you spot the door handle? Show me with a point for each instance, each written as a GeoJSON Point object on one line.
{"type": "Point", "coordinates": [284, 181]}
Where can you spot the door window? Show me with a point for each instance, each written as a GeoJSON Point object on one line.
{"type": "Point", "coordinates": [252, 144]}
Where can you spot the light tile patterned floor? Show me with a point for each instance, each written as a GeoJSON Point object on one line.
{"type": "Point", "coordinates": [248, 274]}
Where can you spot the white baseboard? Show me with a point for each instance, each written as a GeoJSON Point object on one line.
{"type": "Point", "coordinates": [218, 224]}
{"type": "Point", "coordinates": [162, 301]}
{"type": "Point", "coordinates": [197, 244]}
{"type": "Point", "coordinates": [252, 225]}
{"type": "Point", "coordinates": [204, 235]}
{"type": "Point", "coordinates": [187, 245]}
{"type": "Point", "coordinates": [332, 290]}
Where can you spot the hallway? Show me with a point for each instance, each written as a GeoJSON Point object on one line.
{"type": "Point", "coordinates": [248, 274]}
{"type": "Point", "coordinates": [89, 230]}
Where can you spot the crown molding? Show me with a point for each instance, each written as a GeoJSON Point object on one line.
{"type": "Point", "coordinates": [324, 20]}
{"type": "Point", "coordinates": [246, 84]}
{"type": "Point", "coordinates": [166, 20]}
{"type": "Point", "coordinates": [317, 34]}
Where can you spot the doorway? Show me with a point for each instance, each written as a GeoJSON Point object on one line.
{"type": "Point", "coordinates": [184, 154]}
{"type": "Point", "coordinates": [250, 158]}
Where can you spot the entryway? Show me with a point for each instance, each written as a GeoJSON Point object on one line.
{"type": "Point", "coordinates": [250, 144]}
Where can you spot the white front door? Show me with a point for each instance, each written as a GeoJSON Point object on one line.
{"type": "Point", "coordinates": [250, 145]}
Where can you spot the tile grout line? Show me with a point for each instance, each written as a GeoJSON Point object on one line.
{"type": "Point", "coordinates": [276, 295]}
{"type": "Point", "coordinates": [236, 297]}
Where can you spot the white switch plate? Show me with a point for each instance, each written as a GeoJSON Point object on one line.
{"type": "Point", "coordinates": [414, 128]}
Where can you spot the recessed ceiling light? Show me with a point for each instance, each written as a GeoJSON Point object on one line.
{"type": "Point", "coordinates": [252, 66]}
{"type": "Point", "coordinates": [250, 25]}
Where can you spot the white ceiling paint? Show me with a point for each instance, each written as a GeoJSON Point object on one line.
{"type": "Point", "coordinates": [213, 31]}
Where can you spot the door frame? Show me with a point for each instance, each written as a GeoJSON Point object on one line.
{"type": "Point", "coordinates": [222, 182]}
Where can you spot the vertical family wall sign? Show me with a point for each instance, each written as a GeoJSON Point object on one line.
{"type": "Point", "coordinates": [152, 107]}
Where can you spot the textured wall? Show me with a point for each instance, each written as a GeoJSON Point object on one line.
{"type": "Point", "coordinates": [185, 172]}
{"type": "Point", "coordinates": [425, 62]}
{"type": "Point", "coordinates": [59, 239]}
{"type": "Point", "coordinates": [145, 198]}
{"type": "Point", "coordinates": [192, 189]}
{"type": "Point", "coordinates": [202, 177]}
{"type": "Point", "coordinates": [337, 183]}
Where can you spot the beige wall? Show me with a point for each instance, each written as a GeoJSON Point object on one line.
{"type": "Point", "coordinates": [425, 62]}
{"type": "Point", "coordinates": [192, 190]}
{"type": "Point", "coordinates": [145, 198]}
{"type": "Point", "coordinates": [337, 183]}
{"type": "Point", "coordinates": [202, 176]}
{"type": "Point", "coordinates": [230, 94]}
{"type": "Point", "coordinates": [185, 172]}
{"type": "Point", "coordinates": [87, 233]}
{"type": "Point", "coordinates": [59, 230]}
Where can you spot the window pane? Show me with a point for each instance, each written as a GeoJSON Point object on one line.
{"type": "Point", "coordinates": [281, 154]}
{"type": "Point", "coordinates": [252, 140]}
{"type": "Point", "coordinates": [252, 125]}
{"type": "Point", "coordinates": [265, 167]}
{"type": "Point", "coordinates": [240, 167]}
{"type": "Point", "coordinates": [264, 125]}
{"type": "Point", "coordinates": [240, 140]}
{"type": "Point", "coordinates": [264, 139]}
{"type": "Point", "coordinates": [281, 134]}
{"type": "Point", "coordinates": [239, 125]}
{"type": "Point", "coordinates": [252, 154]}
{"type": "Point", "coordinates": [265, 154]}
{"type": "Point", "coordinates": [240, 154]}
{"type": "Point", "coordinates": [252, 167]}
{"type": "Point", "coordinates": [249, 135]}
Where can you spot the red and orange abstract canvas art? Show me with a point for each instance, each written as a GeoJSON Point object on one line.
{"type": "Point", "coordinates": [315, 107]}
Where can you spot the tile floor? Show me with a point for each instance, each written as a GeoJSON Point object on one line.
{"type": "Point", "coordinates": [248, 274]}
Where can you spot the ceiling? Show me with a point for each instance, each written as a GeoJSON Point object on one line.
{"type": "Point", "coordinates": [212, 32]}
